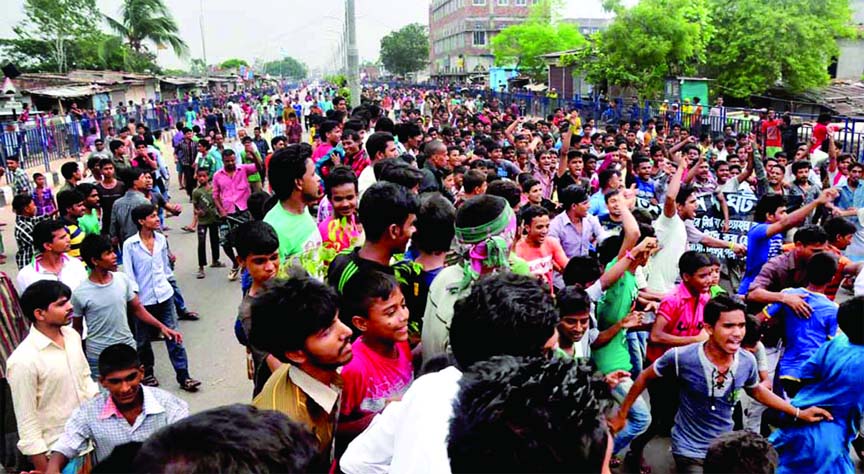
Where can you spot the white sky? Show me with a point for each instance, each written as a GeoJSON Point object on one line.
{"type": "Point", "coordinates": [306, 30]}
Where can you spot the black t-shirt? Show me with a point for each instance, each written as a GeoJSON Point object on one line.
{"type": "Point", "coordinates": [106, 201]}
{"type": "Point", "coordinates": [349, 268]}
{"type": "Point", "coordinates": [567, 179]}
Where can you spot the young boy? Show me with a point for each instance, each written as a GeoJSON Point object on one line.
{"type": "Point", "coordinates": [574, 307]}
{"type": "Point", "coordinates": [208, 219]}
{"type": "Point", "coordinates": [89, 222]}
{"type": "Point", "coordinates": [258, 254]}
{"type": "Point", "coordinates": [110, 190]}
{"type": "Point", "coordinates": [543, 253]}
{"type": "Point", "coordinates": [381, 369]}
{"type": "Point", "coordinates": [804, 336]}
{"type": "Point", "coordinates": [25, 220]}
{"type": "Point", "coordinates": [71, 205]}
{"type": "Point", "coordinates": [43, 197]}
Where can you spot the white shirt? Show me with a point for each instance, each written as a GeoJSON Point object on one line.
{"type": "Point", "coordinates": [366, 180]}
{"type": "Point", "coordinates": [72, 273]}
{"type": "Point", "coordinates": [409, 436]}
{"type": "Point", "coordinates": [48, 383]}
{"type": "Point", "coordinates": [662, 269]}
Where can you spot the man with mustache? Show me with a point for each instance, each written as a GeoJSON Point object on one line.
{"type": "Point", "coordinates": [297, 321]}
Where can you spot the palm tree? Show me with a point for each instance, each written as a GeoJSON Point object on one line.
{"type": "Point", "coordinates": [148, 20]}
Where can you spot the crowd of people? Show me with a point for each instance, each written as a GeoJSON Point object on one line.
{"type": "Point", "coordinates": [434, 282]}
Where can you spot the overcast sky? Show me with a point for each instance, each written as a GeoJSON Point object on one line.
{"type": "Point", "coordinates": [266, 29]}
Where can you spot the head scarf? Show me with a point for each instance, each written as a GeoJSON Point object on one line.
{"type": "Point", "coordinates": [486, 246]}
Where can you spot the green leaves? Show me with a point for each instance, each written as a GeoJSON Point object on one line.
{"type": "Point", "coordinates": [143, 21]}
{"type": "Point", "coordinates": [524, 43]}
{"type": "Point", "coordinates": [287, 67]}
{"type": "Point", "coordinates": [233, 63]}
{"type": "Point", "coordinates": [405, 50]}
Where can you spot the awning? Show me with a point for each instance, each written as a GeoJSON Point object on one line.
{"type": "Point", "coordinates": [67, 92]}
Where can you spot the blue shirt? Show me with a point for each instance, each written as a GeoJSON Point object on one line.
{"type": "Point", "coordinates": [597, 204]}
{"type": "Point", "coordinates": [706, 409]}
{"type": "Point", "coordinates": [803, 336]}
{"type": "Point", "coordinates": [760, 249]}
{"type": "Point", "coordinates": [849, 197]}
{"type": "Point", "coordinates": [150, 271]}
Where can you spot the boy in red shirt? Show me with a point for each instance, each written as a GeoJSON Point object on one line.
{"type": "Point", "coordinates": [381, 369]}
{"type": "Point", "coordinates": [543, 254]}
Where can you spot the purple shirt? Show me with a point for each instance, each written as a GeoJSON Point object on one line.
{"type": "Point", "coordinates": [232, 192]}
{"type": "Point", "coordinates": [576, 243]}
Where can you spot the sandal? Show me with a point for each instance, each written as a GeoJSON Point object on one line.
{"type": "Point", "coordinates": [200, 274]}
{"type": "Point", "coordinates": [150, 381]}
{"type": "Point", "coordinates": [188, 229]}
{"type": "Point", "coordinates": [190, 385]}
{"type": "Point", "coordinates": [189, 316]}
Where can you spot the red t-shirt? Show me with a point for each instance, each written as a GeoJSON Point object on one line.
{"type": "Point", "coordinates": [771, 132]}
{"type": "Point", "coordinates": [371, 379]}
{"type": "Point", "coordinates": [820, 133]}
{"type": "Point", "coordinates": [544, 259]}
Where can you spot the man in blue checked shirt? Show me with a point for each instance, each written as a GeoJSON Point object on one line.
{"type": "Point", "coordinates": [129, 411]}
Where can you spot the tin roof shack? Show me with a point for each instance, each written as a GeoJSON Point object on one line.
{"type": "Point", "coordinates": [137, 87]}
{"type": "Point", "coordinates": [565, 79]}
{"type": "Point", "coordinates": [225, 84]}
{"type": "Point", "coordinates": [176, 87]}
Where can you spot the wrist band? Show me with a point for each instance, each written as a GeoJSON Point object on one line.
{"type": "Point", "coordinates": [732, 246]}
{"type": "Point", "coordinates": [797, 412]}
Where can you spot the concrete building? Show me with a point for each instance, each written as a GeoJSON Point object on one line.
{"type": "Point", "coordinates": [850, 62]}
{"type": "Point", "coordinates": [589, 26]}
{"type": "Point", "coordinates": [460, 32]}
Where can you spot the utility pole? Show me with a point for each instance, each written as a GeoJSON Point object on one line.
{"type": "Point", "coordinates": [353, 70]}
{"type": "Point", "coordinates": [203, 44]}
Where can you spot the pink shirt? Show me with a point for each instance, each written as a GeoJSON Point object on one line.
{"type": "Point", "coordinates": [683, 315]}
{"type": "Point", "coordinates": [232, 192]}
{"type": "Point", "coordinates": [371, 379]}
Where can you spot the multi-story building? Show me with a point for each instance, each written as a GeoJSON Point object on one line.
{"type": "Point", "coordinates": [460, 32]}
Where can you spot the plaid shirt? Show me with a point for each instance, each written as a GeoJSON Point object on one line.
{"type": "Point", "coordinates": [21, 182]}
{"type": "Point", "coordinates": [98, 420]}
{"type": "Point", "coordinates": [24, 239]}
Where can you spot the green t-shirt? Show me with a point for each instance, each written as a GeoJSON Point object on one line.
{"type": "Point", "coordinates": [253, 178]}
{"type": "Point", "coordinates": [297, 232]}
{"type": "Point", "coordinates": [89, 223]}
{"type": "Point", "coordinates": [202, 199]}
{"type": "Point", "coordinates": [613, 307]}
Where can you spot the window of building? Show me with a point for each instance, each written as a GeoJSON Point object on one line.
{"type": "Point", "coordinates": [479, 38]}
{"type": "Point", "coordinates": [503, 3]}
{"type": "Point", "coordinates": [479, 3]}
{"type": "Point", "coordinates": [521, 3]}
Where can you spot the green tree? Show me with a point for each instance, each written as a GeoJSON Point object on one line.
{"type": "Point", "coordinates": [523, 44]}
{"type": "Point", "coordinates": [233, 63]}
{"type": "Point", "coordinates": [53, 24]}
{"type": "Point", "coordinates": [286, 67]}
{"type": "Point", "coordinates": [143, 21]}
{"type": "Point", "coordinates": [761, 43]}
{"type": "Point", "coordinates": [647, 43]}
{"type": "Point", "coordinates": [197, 67]}
{"type": "Point", "coordinates": [405, 50]}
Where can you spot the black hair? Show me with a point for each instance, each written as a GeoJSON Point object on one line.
{"type": "Point", "coordinates": [691, 261]}
{"type": "Point", "coordinates": [406, 130]}
{"type": "Point", "coordinates": [741, 452]}
{"type": "Point", "coordinates": [338, 176]}
{"type": "Point", "coordinates": [131, 174]}
{"type": "Point", "coordinates": [20, 202]}
{"type": "Point", "coordinates": [256, 203]}
{"type": "Point", "coordinates": [93, 246]}
{"type": "Point", "coordinates": [117, 357]}
{"type": "Point", "coordinates": [529, 213]}
{"type": "Point", "coordinates": [838, 227]}
{"type": "Point", "coordinates": [472, 180]}
{"type": "Point", "coordinates": [572, 194]}
{"type": "Point", "coordinates": [385, 204]}
{"type": "Point", "coordinates": [529, 414]}
{"type": "Point", "coordinates": [572, 300]}
{"type": "Point", "coordinates": [141, 212]}
{"type": "Point", "coordinates": [684, 193]}
{"type": "Point", "coordinates": [326, 127]}
{"type": "Point", "coordinates": [721, 304]}
{"type": "Point", "coordinates": [383, 125]}
{"type": "Point", "coordinates": [800, 165]}
{"type": "Point", "coordinates": [610, 194]}
{"type": "Point", "coordinates": [850, 319]}
{"type": "Point", "coordinates": [505, 189]}
{"type": "Point", "coordinates": [821, 268]}
{"type": "Point", "coordinates": [810, 235]}
{"type": "Point", "coordinates": [435, 224]}
{"type": "Point", "coordinates": [68, 169]}
{"type": "Point", "coordinates": [397, 171]}
{"type": "Point", "coordinates": [121, 459]}
{"type": "Point", "coordinates": [606, 175]}
{"type": "Point", "coordinates": [115, 145]}
{"type": "Point", "coordinates": [255, 238]}
{"type": "Point", "coordinates": [228, 152]}
{"type": "Point", "coordinates": [93, 162]}
{"type": "Point", "coordinates": [277, 139]}
{"type": "Point", "coordinates": [40, 295]}
{"type": "Point", "coordinates": [515, 311]}
{"type": "Point", "coordinates": [357, 298]}
{"type": "Point", "coordinates": [753, 331]}
{"type": "Point", "coordinates": [529, 183]}
{"type": "Point", "coordinates": [582, 270]}
{"type": "Point", "coordinates": [67, 199]}
{"type": "Point", "coordinates": [288, 312]}
{"type": "Point", "coordinates": [286, 167]}
{"type": "Point", "coordinates": [233, 439]}
{"type": "Point", "coordinates": [377, 142]}
{"type": "Point", "coordinates": [105, 162]}
{"type": "Point", "coordinates": [609, 248]}
{"type": "Point", "coordinates": [85, 189]}
{"type": "Point", "coordinates": [768, 204]}
{"type": "Point", "coordinates": [43, 233]}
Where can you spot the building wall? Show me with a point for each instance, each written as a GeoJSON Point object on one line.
{"type": "Point", "coordinates": [460, 32]}
{"type": "Point", "coordinates": [850, 62]}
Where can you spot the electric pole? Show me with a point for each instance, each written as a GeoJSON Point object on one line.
{"type": "Point", "coordinates": [203, 45]}
{"type": "Point", "coordinates": [352, 60]}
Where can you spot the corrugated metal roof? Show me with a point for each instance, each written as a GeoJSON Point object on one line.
{"type": "Point", "coordinates": [67, 92]}
{"type": "Point", "coordinates": [842, 97]}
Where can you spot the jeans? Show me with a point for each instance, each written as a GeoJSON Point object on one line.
{"type": "Point", "coordinates": [638, 419]}
{"type": "Point", "coordinates": [665, 398]}
{"type": "Point", "coordinates": [637, 342]}
{"type": "Point", "coordinates": [179, 302]}
{"type": "Point", "coordinates": [202, 243]}
{"type": "Point", "coordinates": [165, 313]}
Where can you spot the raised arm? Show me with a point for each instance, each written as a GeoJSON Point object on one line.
{"type": "Point", "coordinates": [669, 209]}
{"type": "Point", "coordinates": [799, 215]}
